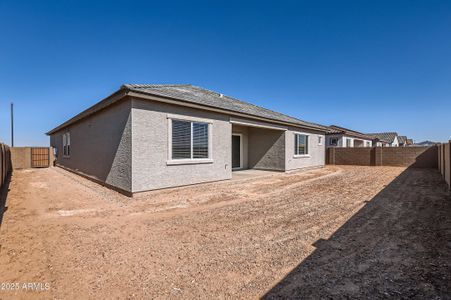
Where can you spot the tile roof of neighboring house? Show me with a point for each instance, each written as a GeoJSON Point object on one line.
{"type": "Point", "coordinates": [409, 142]}
{"type": "Point", "coordinates": [189, 94]}
{"type": "Point", "coordinates": [334, 129]}
{"type": "Point", "coordinates": [402, 139]}
{"type": "Point", "coordinates": [385, 136]}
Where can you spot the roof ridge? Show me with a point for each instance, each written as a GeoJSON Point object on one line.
{"type": "Point", "coordinates": [384, 132]}
{"type": "Point", "coordinates": [144, 85]}
{"type": "Point", "coordinates": [348, 129]}
{"type": "Point", "coordinates": [254, 105]}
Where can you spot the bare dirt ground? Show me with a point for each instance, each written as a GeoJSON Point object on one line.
{"type": "Point", "coordinates": [336, 232]}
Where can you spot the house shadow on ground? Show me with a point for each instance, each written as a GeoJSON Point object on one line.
{"type": "Point", "coordinates": [397, 246]}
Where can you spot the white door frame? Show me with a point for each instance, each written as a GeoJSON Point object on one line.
{"type": "Point", "coordinates": [241, 151]}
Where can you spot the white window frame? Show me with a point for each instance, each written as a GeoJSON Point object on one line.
{"type": "Point", "coordinates": [184, 161]}
{"type": "Point", "coordinates": [308, 145]}
{"type": "Point", "coordinates": [66, 144]}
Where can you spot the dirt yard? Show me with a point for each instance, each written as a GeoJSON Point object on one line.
{"type": "Point", "coordinates": [337, 232]}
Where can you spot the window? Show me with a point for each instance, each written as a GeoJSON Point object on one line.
{"type": "Point", "coordinates": [190, 140]}
{"type": "Point", "coordinates": [320, 140]}
{"type": "Point", "coordinates": [300, 144]}
{"type": "Point", "coordinates": [368, 144]}
{"type": "Point", "coordinates": [348, 143]}
{"type": "Point", "coordinates": [333, 142]}
{"type": "Point", "coordinates": [66, 144]}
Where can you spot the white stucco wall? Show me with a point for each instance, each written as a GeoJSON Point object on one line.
{"type": "Point", "coordinates": [342, 141]}
{"type": "Point", "coordinates": [395, 142]}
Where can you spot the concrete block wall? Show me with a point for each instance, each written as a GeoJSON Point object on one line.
{"type": "Point", "coordinates": [351, 156]}
{"type": "Point", "coordinates": [444, 161]}
{"type": "Point", "coordinates": [21, 157]}
{"type": "Point", "coordinates": [418, 157]}
{"type": "Point", "coordinates": [5, 163]}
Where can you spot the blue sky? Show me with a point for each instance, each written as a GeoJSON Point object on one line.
{"type": "Point", "coordinates": [367, 65]}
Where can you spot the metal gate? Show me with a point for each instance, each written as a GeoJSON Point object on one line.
{"type": "Point", "coordinates": [40, 157]}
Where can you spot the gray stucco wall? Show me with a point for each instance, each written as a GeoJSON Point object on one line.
{"type": "Point", "coordinates": [151, 147]}
{"type": "Point", "coordinates": [100, 146]}
{"type": "Point", "coordinates": [266, 149]}
{"type": "Point", "coordinates": [316, 156]}
{"type": "Point", "coordinates": [127, 146]}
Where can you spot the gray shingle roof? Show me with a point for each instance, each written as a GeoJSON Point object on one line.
{"type": "Point", "coordinates": [385, 136]}
{"type": "Point", "coordinates": [197, 95]}
{"type": "Point", "coordinates": [186, 93]}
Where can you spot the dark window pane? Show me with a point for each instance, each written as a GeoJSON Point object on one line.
{"type": "Point", "coordinates": [236, 151]}
{"type": "Point", "coordinates": [200, 140]}
{"type": "Point", "coordinates": [301, 143]}
{"type": "Point", "coordinates": [181, 139]}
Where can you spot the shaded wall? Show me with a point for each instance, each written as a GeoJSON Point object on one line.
{"type": "Point", "coordinates": [444, 161]}
{"type": "Point", "coordinates": [5, 163]}
{"type": "Point", "coordinates": [244, 131]}
{"type": "Point", "coordinates": [419, 157]}
{"type": "Point", "coordinates": [100, 146]}
{"type": "Point", "coordinates": [266, 149]}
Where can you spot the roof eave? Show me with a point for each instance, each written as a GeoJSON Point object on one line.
{"type": "Point", "coordinates": [132, 92]}
{"type": "Point", "coordinates": [127, 90]}
{"type": "Point", "coordinates": [114, 97]}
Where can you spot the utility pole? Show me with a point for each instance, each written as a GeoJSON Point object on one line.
{"type": "Point", "coordinates": [12, 124]}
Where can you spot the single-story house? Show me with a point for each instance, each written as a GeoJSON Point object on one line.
{"type": "Point", "coordinates": [338, 136]}
{"type": "Point", "coordinates": [386, 139]}
{"type": "Point", "coordinates": [145, 137]}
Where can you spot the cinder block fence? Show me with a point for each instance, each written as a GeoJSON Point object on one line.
{"type": "Point", "coordinates": [444, 161]}
{"type": "Point", "coordinates": [5, 162]}
{"type": "Point", "coordinates": [418, 157]}
{"type": "Point", "coordinates": [31, 157]}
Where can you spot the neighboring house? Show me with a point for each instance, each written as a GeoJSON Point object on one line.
{"type": "Point", "coordinates": [385, 139]}
{"type": "Point", "coordinates": [146, 137]}
{"type": "Point", "coordinates": [338, 136]}
{"type": "Point", "coordinates": [404, 141]}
